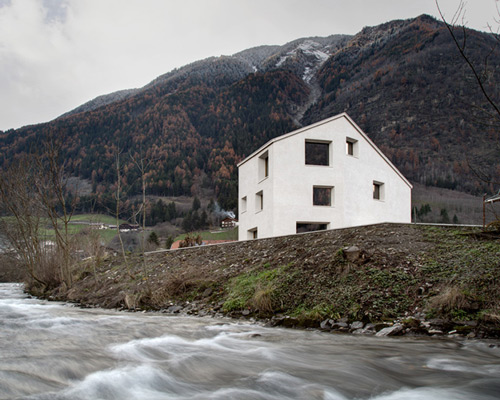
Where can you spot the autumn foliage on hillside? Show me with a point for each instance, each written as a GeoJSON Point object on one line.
{"type": "Point", "coordinates": [406, 85]}
{"type": "Point", "coordinates": [182, 134]}
{"type": "Point", "coordinates": [402, 82]}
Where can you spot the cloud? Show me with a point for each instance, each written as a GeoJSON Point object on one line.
{"type": "Point", "coordinates": [29, 47]}
{"type": "Point", "coordinates": [58, 54]}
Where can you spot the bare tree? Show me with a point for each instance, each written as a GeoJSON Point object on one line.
{"type": "Point", "coordinates": [22, 225]}
{"type": "Point", "coordinates": [51, 187]}
{"type": "Point", "coordinates": [484, 73]}
{"type": "Point", "coordinates": [118, 193]}
{"type": "Point", "coordinates": [142, 167]}
{"type": "Point", "coordinates": [34, 194]}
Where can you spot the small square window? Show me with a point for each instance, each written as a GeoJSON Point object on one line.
{"type": "Point", "coordinates": [322, 196]}
{"type": "Point", "coordinates": [252, 233]}
{"type": "Point", "coordinates": [378, 190]}
{"type": "Point", "coordinates": [317, 153]}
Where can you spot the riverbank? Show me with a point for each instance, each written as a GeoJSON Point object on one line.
{"type": "Point", "coordinates": [52, 351]}
{"type": "Point", "coordinates": [389, 278]}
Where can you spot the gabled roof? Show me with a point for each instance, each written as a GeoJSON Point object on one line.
{"type": "Point", "coordinates": [323, 122]}
{"type": "Point", "coordinates": [494, 198]}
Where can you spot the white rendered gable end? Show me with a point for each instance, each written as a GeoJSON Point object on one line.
{"type": "Point", "coordinates": [323, 122]}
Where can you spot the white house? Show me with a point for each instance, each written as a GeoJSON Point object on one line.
{"type": "Point", "coordinates": [323, 176]}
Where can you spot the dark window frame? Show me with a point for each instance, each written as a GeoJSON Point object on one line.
{"type": "Point", "coordinates": [323, 196]}
{"type": "Point", "coordinates": [259, 201]}
{"type": "Point", "coordinates": [317, 153]}
{"type": "Point", "coordinates": [303, 227]}
{"type": "Point", "coordinates": [263, 165]}
{"type": "Point", "coordinates": [351, 147]}
{"type": "Point", "coordinates": [378, 190]}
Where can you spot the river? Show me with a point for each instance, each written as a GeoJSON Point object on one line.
{"type": "Point", "coordinates": [59, 351]}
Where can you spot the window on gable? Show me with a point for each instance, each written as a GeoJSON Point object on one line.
{"type": "Point", "coordinates": [317, 153]}
{"type": "Point", "coordinates": [351, 147]}
{"type": "Point", "coordinates": [264, 166]}
{"type": "Point", "coordinates": [322, 196]}
{"type": "Point", "coordinates": [378, 190]}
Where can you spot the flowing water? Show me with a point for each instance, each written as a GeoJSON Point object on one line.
{"type": "Point", "coordinates": [57, 351]}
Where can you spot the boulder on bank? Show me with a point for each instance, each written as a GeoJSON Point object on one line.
{"type": "Point", "coordinates": [394, 330]}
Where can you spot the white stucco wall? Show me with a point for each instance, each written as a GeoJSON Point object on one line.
{"type": "Point", "coordinates": [288, 190]}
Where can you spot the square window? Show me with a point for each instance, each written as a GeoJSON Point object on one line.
{"type": "Point", "coordinates": [322, 196]}
{"type": "Point", "coordinates": [252, 233]}
{"type": "Point", "coordinates": [317, 153]}
{"type": "Point", "coordinates": [378, 190]}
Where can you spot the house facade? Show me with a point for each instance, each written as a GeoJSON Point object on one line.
{"type": "Point", "coordinates": [228, 222]}
{"type": "Point", "coordinates": [324, 176]}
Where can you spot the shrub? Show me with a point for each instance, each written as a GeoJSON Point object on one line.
{"type": "Point", "coordinates": [153, 238]}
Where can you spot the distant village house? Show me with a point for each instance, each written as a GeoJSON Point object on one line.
{"type": "Point", "coordinates": [129, 227]}
{"type": "Point", "coordinates": [323, 176]}
{"type": "Point", "coordinates": [228, 223]}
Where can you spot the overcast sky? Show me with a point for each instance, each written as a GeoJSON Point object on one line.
{"type": "Point", "coordinates": [58, 54]}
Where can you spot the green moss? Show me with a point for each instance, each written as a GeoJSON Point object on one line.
{"type": "Point", "coordinates": [243, 288]}
{"type": "Point", "coordinates": [461, 315]}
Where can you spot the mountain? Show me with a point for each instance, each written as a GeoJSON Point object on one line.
{"type": "Point", "coordinates": [403, 82]}
{"type": "Point", "coordinates": [407, 86]}
{"type": "Point", "coordinates": [102, 101]}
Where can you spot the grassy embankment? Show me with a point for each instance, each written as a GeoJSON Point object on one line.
{"type": "Point", "coordinates": [400, 271]}
{"type": "Point", "coordinates": [457, 278]}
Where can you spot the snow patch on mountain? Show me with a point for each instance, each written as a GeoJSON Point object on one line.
{"type": "Point", "coordinates": [314, 53]}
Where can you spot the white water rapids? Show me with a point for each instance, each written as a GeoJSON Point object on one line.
{"type": "Point", "coordinates": [58, 351]}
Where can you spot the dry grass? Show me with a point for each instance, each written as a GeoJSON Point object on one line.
{"type": "Point", "coordinates": [262, 299]}
{"type": "Point", "coordinates": [493, 317]}
{"type": "Point", "coordinates": [450, 298]}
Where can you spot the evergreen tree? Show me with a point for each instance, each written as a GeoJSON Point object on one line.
{"type": "Point", "coordinates": [168, 242]}
{"type": "Point", "coordinates": [204, 220]}
{"type": "Point", "coordinates": [187, 222]}
{"type": "Point", "coordinates": [196, 204]}
{"type": "Point", "coordinates": [153, 238]}
{"type": "Point", "coordinates": [211, 206]}
{"type": "Point", "coordinates": [445, 219]}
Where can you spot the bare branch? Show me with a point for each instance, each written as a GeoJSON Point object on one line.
{"type": "Point", "coordinates": [461, 48]}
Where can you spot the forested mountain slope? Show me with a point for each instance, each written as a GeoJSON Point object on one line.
{"type": "Point", "coordinates": [406, 85]}
{"type": "Point", "coordinates": [403, 82]}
